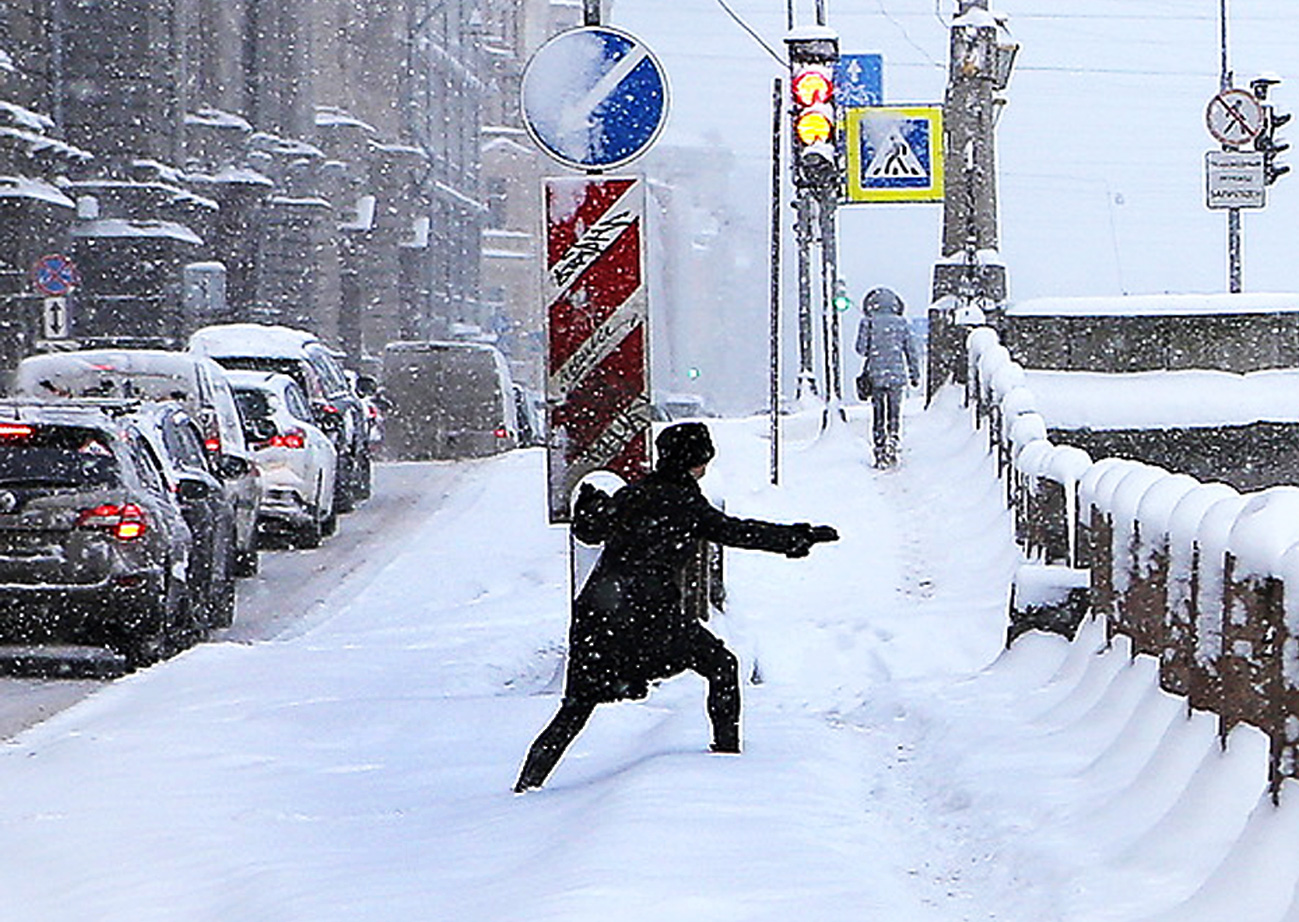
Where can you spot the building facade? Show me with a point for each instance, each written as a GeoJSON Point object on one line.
{"type": "Point", "coordinates": [322, 156]}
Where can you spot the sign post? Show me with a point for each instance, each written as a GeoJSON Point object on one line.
{"type": "Point", "coordinates": [594, 99]}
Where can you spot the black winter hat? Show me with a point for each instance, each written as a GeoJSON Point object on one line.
{"type": "Point", "coordinates": [683, 446]}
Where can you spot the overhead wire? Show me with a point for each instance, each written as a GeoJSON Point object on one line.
{"type": "Point", "coordinates": [754, 35]}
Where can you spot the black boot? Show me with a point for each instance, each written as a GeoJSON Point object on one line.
{"type": "Point", "coordinates": [551, 743]}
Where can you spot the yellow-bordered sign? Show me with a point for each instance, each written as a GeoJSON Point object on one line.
{"type": "Point", "coordinates": [895, 154]}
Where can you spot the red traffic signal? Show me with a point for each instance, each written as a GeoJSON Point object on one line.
{"type": "Point", "coordinates": [813, 85]}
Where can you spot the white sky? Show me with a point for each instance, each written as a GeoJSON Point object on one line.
{"type": "Point", "coordinates": [1101, 147]}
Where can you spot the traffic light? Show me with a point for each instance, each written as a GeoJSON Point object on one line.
{"type": "Point", "coordinates": [842, 300]}
{"type": "Point", "coordinates": [1267, 143]}
{"type": "Point", "coordinates": [816, 159]}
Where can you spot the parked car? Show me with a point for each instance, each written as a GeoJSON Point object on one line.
{"type": "Point", "coordinates": [375, 404]}
{"type": "Point", "coordinates": [93, 549]}
{"type": "Point", "coordinates": [298, 461]}
{"type": "Point", "coordinates": [175, 440]}
{"type": "Point", "coordinates": [153, 374]}
{"type": "Point", "coordinates": [527, 410]}
{"type": "Point", "coordinates": [449, 400]}
{"type": "Point", "coordinates": [336, 407]}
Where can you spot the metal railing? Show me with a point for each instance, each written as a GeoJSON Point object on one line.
{"type": "Point", "coordinates": [1198, 575]}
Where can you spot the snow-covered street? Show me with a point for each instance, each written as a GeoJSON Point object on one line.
{"type": "Point", "coordinates": [896, 765]}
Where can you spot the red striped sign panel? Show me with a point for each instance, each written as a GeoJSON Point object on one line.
{"type": "Point", "coordinates": [597, 382]}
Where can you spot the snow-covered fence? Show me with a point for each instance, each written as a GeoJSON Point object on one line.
{"type": "Point", "coordinates": [1201, 577]}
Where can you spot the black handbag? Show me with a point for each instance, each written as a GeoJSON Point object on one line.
{"type": "Point", "coordinates": [864, 385]}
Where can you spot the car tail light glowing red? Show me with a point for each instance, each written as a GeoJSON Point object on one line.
{"type": "Point", "coordinates": [213, 444]}
{"type": "Point", "coordinates": [126, 521]}
{"type": "Point", "coordinates": [502, 432]}
{"type": "Point", "coordinates": [15, 430]}
{"type": "Point", "coordinates": [294, 438]}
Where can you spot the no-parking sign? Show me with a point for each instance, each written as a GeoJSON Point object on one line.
{"type": "Point", "coordinates": [55, 275]}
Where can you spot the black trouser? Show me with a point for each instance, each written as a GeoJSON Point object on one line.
{"type": "Point", "coordinates": [707, 656]}
{"type": "Point", "coordinates": [887, 422]}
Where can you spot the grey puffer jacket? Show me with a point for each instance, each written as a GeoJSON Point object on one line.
{"type": "Point", "coordinates": [885, 339]}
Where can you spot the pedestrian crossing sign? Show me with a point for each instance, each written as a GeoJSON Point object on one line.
{"type": "Point", "coordinates": [894, 153]}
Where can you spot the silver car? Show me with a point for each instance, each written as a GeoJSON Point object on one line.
{"type": "Point", "coordinates": [93, 548]}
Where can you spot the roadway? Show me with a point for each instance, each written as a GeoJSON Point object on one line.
{"type": "Point", "coordinates": [294, 589]}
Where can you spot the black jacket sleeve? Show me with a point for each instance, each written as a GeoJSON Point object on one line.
{"type": "Point", "coordinates": [753, 534]}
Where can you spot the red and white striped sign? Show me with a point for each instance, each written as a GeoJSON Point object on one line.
{"type": "Point", "coordinates": [597, 382]}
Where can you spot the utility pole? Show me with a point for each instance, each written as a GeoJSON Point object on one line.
{"type": "Point", "coordinates": [970, 279]}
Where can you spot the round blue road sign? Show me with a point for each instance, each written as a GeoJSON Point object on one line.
{"type": "Point", "coordinates": [594, 98]}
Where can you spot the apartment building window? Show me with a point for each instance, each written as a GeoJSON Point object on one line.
{"type": "Point", "coordinates": [496, 204]}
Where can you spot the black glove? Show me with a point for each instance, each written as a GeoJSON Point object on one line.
{"type": "Point", "coordinates": [803, 536]}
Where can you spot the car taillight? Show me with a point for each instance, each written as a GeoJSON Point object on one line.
{"type": "Point", "coordinates": [502, 432]}
{"type": "Point", "coordinates": [15, 430]}
{"type": "Point", "coordinates": [126, 521]}
{"type": "Point", "coordinates": [294, 438]}
{"type": "Point", "coordinates": [213, 444]}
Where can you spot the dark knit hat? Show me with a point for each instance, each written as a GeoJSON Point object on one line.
{"type": "Point", "coordinates": [683, 446]}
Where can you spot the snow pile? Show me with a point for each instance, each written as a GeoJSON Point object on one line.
{"type": "Point", "coordinates": [897, 764]}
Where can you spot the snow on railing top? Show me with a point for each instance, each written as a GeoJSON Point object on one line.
{"type": "Point", "coordinates": [1260, 530]}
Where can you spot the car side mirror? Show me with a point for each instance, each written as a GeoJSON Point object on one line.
{"type": "Point", "coordinates": [192, 489]}
{"type": "Point", "coordinates": [232, 467]}
{"type": "Point", "coordinates": [259, 430]}
{"type": "Point", "coordinates": [366, 385]}
{"type": "Point", "coordinates": [327, 417]}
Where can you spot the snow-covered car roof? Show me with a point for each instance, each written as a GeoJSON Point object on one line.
{"type": "Point", "coordinates": [246, 339]}
{"type": "Point", "coordinates": [69, 370]}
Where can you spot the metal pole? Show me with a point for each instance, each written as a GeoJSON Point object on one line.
{"type": "Point", "coordinates": [830, 272]}
{"type": "Point", "coordinates": [1235, 270]}
{"type": "Point", "coordinates": [803, 237]}
{"type": "Point", "coordinates": [777, 101]}
{"type": "Point", "coordinates": [591, 12]}
{"type": "Point", "coordinates": [1225, 81]}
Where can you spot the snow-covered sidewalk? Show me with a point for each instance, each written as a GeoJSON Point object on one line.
{"type": "Point", "coordinates": [896, 765]}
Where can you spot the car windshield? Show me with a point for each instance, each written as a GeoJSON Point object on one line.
{"type": "Point", "coordinates": [285, 366]}
{"type": "Point", "coordinates": [59, 456]}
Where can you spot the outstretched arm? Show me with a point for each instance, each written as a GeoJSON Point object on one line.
{"type": "Point", "coordinates": [755, 534]}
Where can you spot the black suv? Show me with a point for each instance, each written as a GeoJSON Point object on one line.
{"type": "Point", "coordinates": [92, 547]}
{"type": "Point", "coordinates": [337, 407]}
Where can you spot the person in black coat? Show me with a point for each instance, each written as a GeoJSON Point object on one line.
{"type": "Point", "coordinates": [629, 625]}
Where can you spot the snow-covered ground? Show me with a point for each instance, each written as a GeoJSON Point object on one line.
{"type": "Point", "coordinates": [897, 765]}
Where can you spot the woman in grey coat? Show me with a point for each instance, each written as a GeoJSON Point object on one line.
{"type": "Point", "coordinates": [892, 361]}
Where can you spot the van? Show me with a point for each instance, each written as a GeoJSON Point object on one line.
{"type": "Point", "coordinates": [448, 400]}
{"type": "Point", "coordinates": [197, 383]}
